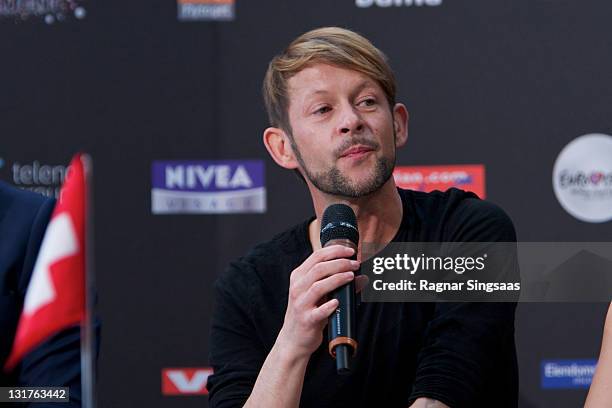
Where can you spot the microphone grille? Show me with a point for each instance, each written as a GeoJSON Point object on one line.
{"type": "Point", "coordinates": [339, 222]}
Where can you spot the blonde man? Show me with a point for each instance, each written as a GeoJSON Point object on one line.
{"type": "Point", "coordinates": [335, 120]}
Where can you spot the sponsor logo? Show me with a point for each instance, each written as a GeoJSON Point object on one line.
{"type": "Point", "coordinates": [206, 10]}
{"type": "Point", "coordinates": [185, 381]}
{"type": "Point", "coordinates": [397, 3]}
{"type": "Point", "coordinates": [50, 11]}
{"type": "Point", "coordinates": [35, 176]}
{"type": "Point", "coordinates": [428, 178]}
{"type": "Point", "coordinates": [208, 187]}
{"type": "Point", "coordinates": [582, 178]}
{"type": "Point", "coordinates": [566, 374]}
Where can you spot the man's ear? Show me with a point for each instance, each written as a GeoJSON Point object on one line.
{"type": "Point", "coordinates": [279, 146]}
{"type": "Point", "coordinates": [400, 123]}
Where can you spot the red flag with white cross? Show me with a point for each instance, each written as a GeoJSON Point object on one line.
{"type": "Point", "coordinates": [55, 298]}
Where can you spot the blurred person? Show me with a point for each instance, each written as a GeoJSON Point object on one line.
{"type": "Point", "coordinates": [600, 393]}
{"type": "Point", "coordinates": [330, 98]}
{"type": "Point", "coordinates": [56, 362]}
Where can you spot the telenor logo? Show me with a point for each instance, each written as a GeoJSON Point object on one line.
{"type": "Point", "coordinates": [565, 374]}
{"type": "Point", "coordinates": [208, 187]}
{"type": "Point", "coordinates": [185, 381]}
{"type": "Point", "coordinates": [428, 178]}
{"type": "Point", "coordinates": [35, 176]}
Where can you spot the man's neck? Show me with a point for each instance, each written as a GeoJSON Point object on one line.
{"type": "Point", "coordinates": [379, 215]}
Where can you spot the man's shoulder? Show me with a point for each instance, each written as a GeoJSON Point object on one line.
{"type": "Point", "coordinates": [20, 202]}
{"type": "Point", "coordinates": [22, 213]}
{"type": "Point", "coordinates": [464, 215]}
{"type": "Point", "coordinates": [24, 216]}
{"type": "Point", "coordinates": [436, 199]}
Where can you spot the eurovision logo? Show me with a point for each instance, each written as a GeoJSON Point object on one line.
{"type": "Point", "coordinates": [208, 187]}
{"type": "Point", "coordinates": [185, 381]}
{"type": "Point", "coordinates": [428, 178]}
{"type": "Point", "coordinates": [567, 374]}
{"type": "Point", "coordinates": [206, 10]}
{"type": "Point", "coordinates": [582, 178]}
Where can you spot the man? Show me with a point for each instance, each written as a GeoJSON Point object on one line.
{"type": "Point", "coordinates": [331, 102]}
{"type": "Point", "coordinates": [23, 219]}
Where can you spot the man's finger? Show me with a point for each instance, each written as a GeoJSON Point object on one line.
{"type": "Point", "coordinates": [327, 254]}
{"type": "Point", "coordinates": [324, 311]}
{"type": "Point", "coordinates": [324, 287]}
{"type": "Point", "coordinates": [324, 269]}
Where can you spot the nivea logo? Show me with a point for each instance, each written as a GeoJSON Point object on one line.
{"type": "Point", "coordinates": [212, 186]}
{"type": "Point", "coordinates": [219, 176]}
{"type": "Point", "coordinates": [210, 175]}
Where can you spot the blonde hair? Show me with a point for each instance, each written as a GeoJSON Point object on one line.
{"type": "Point", "coordinates": [330, 45]}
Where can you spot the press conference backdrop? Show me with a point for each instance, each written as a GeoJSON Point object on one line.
{"type": "Point", "coordinates": [166, 98]}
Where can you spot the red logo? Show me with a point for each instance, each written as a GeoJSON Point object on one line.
{"type": "Point", "coordinates": [469, 177]}
{"type": "Point", "coordinates": [185, 381]}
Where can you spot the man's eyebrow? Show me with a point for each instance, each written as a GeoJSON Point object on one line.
{"type": "Point", "coordinates": [364, 84]}
{"type": "Point", "coordinates": [360, 87]}
{"type": "Point", "coordinates": [308, 99]}
{"type": "Point", "coordinates": [317, 92]}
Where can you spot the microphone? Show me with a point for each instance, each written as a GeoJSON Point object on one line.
{"type": "Point", "coordinates": [339, 227]}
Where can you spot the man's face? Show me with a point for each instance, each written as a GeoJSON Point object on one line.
{"type": "Point", "coordinates": [343, 131]}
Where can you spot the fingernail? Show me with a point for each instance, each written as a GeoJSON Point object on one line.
{"type": "Point", "coordinates": [354, 263]}
{"type": "Point", "coordinates": [349, 275]}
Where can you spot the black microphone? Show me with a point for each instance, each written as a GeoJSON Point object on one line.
{"type": "Point", "coordinates": [339, 227]}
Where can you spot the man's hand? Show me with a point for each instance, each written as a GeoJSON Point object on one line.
{"type": "Point", "coordinates": [308, 307]}
{"type": "Point", "coordinates": [281, 378]}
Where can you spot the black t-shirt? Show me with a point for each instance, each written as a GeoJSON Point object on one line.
{"type": "Point", "coordinates": [462, 354]}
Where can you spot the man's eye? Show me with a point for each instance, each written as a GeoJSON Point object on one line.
{"type": "Point", "coordinates": [322, 110]}
{"type": "Point", "coordinates": [368, 102]}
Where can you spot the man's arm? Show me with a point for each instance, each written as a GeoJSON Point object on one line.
{"type": "Point", "coordinates": [467, 344]}
{"type": "Point", "coordinates": [279, 381]}
{"type": "Point", "coordinates": [281, 378]}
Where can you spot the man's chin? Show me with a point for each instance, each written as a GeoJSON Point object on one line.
{"type": "Point", "coordinates": [361, 188]}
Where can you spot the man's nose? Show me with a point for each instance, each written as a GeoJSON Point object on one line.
{"type": "Point", "coordinates": [350, 121]}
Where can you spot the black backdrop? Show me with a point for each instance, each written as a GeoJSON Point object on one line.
{"type": "Point", "coordinates": [504, 84]}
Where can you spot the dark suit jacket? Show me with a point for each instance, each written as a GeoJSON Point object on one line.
{"type": "Point", "coordinates": [23, 220]}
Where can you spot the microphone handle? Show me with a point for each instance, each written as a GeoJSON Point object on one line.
{"type": "Point", "coordinates": [342, 329]}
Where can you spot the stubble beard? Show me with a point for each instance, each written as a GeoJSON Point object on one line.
{"type": "Point", "coordinates": [333, 182]}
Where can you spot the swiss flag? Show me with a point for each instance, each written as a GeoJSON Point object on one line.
{"type": "Point", "coordinates": [55, 298]}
